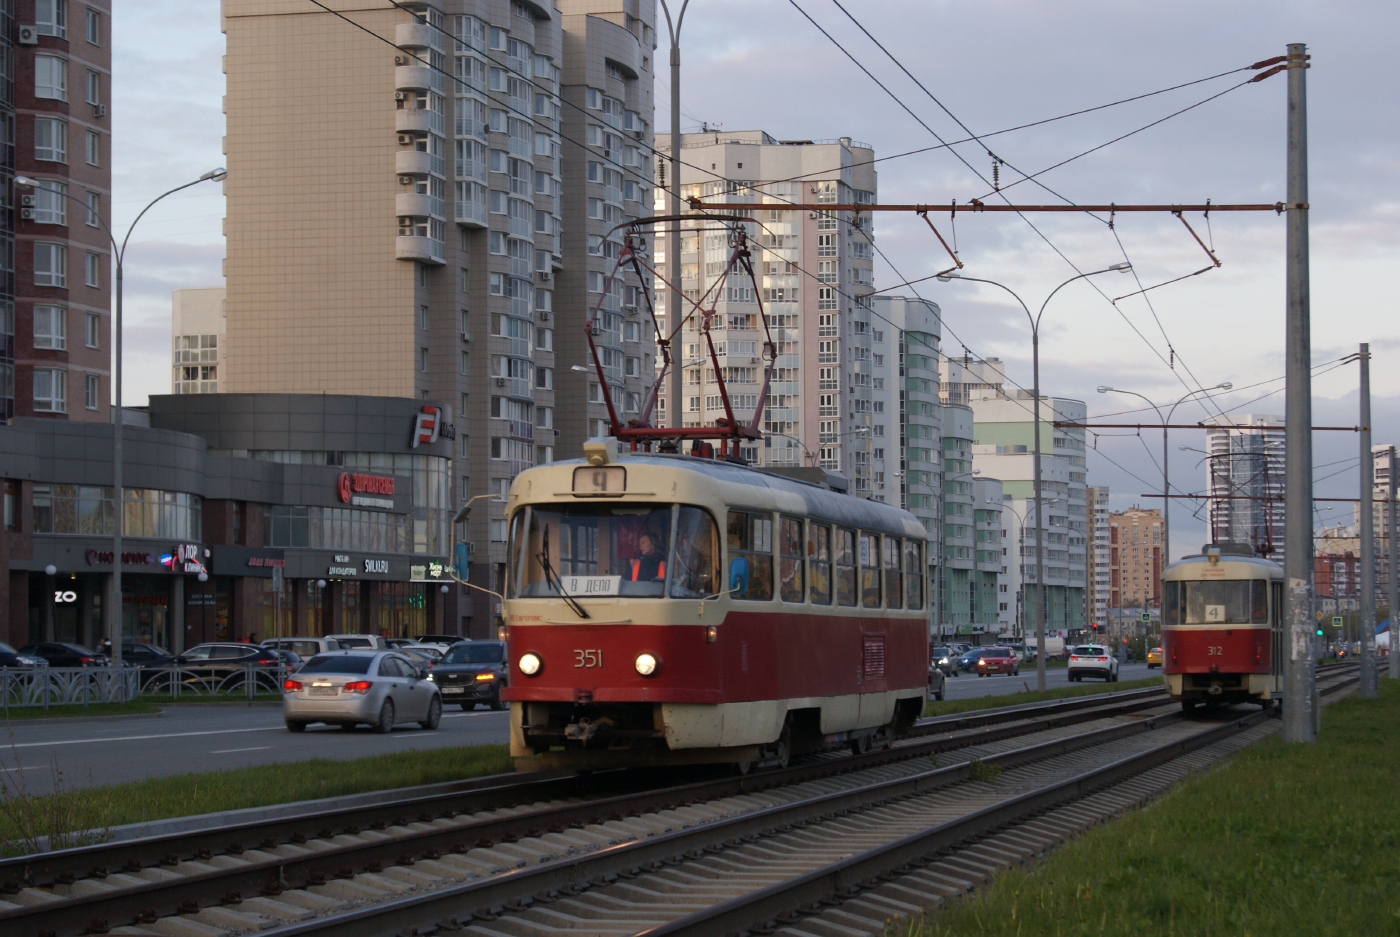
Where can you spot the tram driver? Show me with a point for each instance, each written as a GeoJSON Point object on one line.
{"type": "Point", "coordinates": [649, 565]}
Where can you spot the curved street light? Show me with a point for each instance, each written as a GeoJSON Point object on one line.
{"type": "Point", "coordinates": [114, 618]}
{"type": "Point", "coordinates": [1035, 393]}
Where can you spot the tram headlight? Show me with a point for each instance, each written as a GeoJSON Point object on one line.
{"type": "Point", "coordinates": [529, 664]}
{"type": "Point", "coordinates": [647, 664]}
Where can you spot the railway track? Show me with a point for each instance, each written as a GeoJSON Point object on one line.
{"type": "Point", "coordinates": [523, 845]}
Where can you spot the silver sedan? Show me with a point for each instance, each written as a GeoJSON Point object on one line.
{"type": "Point", "coordinates": [347, 688]}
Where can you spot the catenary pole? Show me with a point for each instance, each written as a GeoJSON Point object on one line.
{"type": "Point", "coordinates": [1368, 543]}
{"type": "Point", "coordinates": [674, 315]}
{"type": "Point", "coordinates": [1392, 588]}
{"type": "Point", "coordinates": [1298, 706]}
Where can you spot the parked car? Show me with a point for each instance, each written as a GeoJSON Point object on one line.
{"type": "Point", "coordinates": [1093, 660]}
{"type": "Point", "coordinates": [1154, 658]}
{"type": "Point", "coordinates": [359, 642]}
{"type": "Point", "coordinates": [425, 654]}
{"type": "Point", "coordinates": [472, 672]}
{"type": "Point", "coordinates": [968, 659]}
{"type": "Point", "coordinates": [65, 655]}
{"type": "Point", "coordinates": [945, 659]}
{"type": "Point", "coordinates": [145, 655]}
{"type": "Point", "coordinates": [290, 659]}
{"type": "Point", "coordinates": [347, 688]}
{"type": "Point", "coordinates": [11, 658]}
{"type": "Point", "coordinates": [937, 680]}
{"type": "Point", "coordinates": [998, 660]}
{"type": "Point", "coordinates": [305, 648]}
{"type": "Point", "coordinates": [218, 662]}
{"type": "Point", "coordinates": [443, 641]}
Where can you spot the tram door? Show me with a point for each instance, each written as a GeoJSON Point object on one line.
{"type": "Point", "coordinates": [1276, 659]}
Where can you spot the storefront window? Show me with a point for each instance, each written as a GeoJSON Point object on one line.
{"type": "Point", "coordinates": [84, 509]}
{"type": "Point", "coordinates": [275, 618]}
{"type": "Point", "coordinates": [335, 529]}
{"type": "Point", "coordinates": [402, 609]}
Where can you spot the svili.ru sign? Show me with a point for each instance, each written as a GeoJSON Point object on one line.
{"type": "Point", "coordinates": [361, 489]}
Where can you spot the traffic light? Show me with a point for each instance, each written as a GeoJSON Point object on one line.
{"type": "Point", "coordinates": [1319, 631]}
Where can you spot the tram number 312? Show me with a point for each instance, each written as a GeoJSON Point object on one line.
{"type": "Point", "coordinates": [588, 658]}
{"type": "Point", "coordinates": [1215, 651]}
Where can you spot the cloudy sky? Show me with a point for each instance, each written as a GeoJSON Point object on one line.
{"type": "Point", "coordinates": [994, 64]}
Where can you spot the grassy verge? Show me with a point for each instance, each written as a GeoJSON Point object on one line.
{"type": "Point", "coordinates": [24, 817]}
{"type": "Point", "coordinates": [949, 707]}
{"type": "Point", "coordinates": [133, 708]}
{"type": "Point", "coordinates": [1298, 839]}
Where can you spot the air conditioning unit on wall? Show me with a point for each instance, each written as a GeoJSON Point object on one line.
{"type": "Point", "coordinates": [29, 35]}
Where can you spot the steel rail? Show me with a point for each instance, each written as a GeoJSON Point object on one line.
{"type": "Point", "coordinates": [517, 890]}
{"type": "Point", "coordinates": [190, 893]}
{"type": "Point", "coordinates": [505, 790]}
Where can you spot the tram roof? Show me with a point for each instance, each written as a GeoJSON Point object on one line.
{"type": "Point", "coordinates": [820, 503]}
{"type": "Point", "coordinates": [1239, 567]}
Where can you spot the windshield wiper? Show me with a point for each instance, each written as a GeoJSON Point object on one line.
{"type": "Point", "coordinates": [552, 578]}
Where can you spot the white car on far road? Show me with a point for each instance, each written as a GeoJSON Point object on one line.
{"type": "Point", "coordinates": [1092, 660]}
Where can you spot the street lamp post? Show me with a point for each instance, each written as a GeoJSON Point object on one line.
{"type": "Point", "coordinates": [673, 236]}
{"type": "Point", "coordinates": [1035, 393]}
{"type": "Point", "coordinates": [1166, 483]}
{"type": "Point", "coordinates": [114, 622]}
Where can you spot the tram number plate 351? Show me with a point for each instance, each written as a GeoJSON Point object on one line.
{"type": "Point", "coordinates": [588, 658]}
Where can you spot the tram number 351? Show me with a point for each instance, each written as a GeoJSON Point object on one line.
{"type": "Point", "coordinates": [588, 658]}
{"type": "Point", "coordinates": [1215, 650]}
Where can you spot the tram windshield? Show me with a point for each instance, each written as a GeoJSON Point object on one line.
{"type": "Point", "coordinates": [1217, 602]}
{"type": "Point", "coordinates": [614, 549]}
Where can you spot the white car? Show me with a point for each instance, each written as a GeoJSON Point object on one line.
{"type": "Point", "coordinates": [347, 688]}
{"type": "Point", "coordinates": [359, 642]}
{"type": "Point", "coordinates": [1092, 660]}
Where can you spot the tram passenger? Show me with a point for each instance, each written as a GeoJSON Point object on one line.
{"type": "Point", "coordinates": [650, 565]}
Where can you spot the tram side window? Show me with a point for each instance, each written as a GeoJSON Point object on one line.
{"type": "Point", "coordinates": [845, 567]}
{"type": "Point", "coordinates": [869, 570]}
{"type": "Point", "coordinates": [750, 556]}
{"type": "Point", "coordinates": [791, 585]}
{"type": "Point", "coordinates": [914, 573]}
{"type": "Point", "coordinates": [695, 572]}
{"type": "Point", "coordinates": [819, 562]}
{"type": "Point", "coordinates": [894, 573]}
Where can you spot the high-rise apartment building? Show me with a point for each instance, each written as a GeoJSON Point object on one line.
{"type": "Point", "coordinates": [814, 270]}
{"type": "Point", "coordinates": [965, 376]}
{"type": "Point", "coordinates": [1380, 525]}
{"type": "Point", "coordinates": [1245, 466]}
{"type": "Point", "coordinates": [55, 293]}
{"type": "Point", "coordinates": [1135, 557]}
{"type": "Point", "coordinates": [906, 419]}
{"type": "Point", "coordinates": [197, 326]}
{"type": "Point", "coordinates": [1099, 595]}
{"type": "Point", "coordinates": [409, 186]}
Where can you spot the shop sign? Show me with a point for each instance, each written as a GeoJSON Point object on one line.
{"type": "Point", "coordinates": [96, 557]}
{"type": "Point", "coordinates": [430, 425]}
{"type": "Point", "coordinates": [266, 562]}
{"type": "Point", "coordinates": [430, 572]}
{"type": "Point", "coordinates": [358, 488]}
{"type": "Point", "coordinates": [343, 567]}
{"type": "Point", "coordinates": [231, 560]}
{"type": "Point", "coordinates": [184, 558]}
{"type": "Point", "coordinates": [200, 598]}
{"type": "Point", "coordinates": [65, 596]}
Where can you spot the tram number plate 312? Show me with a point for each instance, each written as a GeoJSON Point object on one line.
{"type": "Point", "coordinates": [588, 658]}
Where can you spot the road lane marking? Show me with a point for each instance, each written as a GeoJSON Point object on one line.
{"type": "Point", "coordinates": [230, 751]}
{"type": "Point", "coordinates": [142, 738]}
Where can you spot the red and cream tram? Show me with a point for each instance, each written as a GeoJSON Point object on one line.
{"type": "Point", "coordinates": [669, 609]}
{"type": "Point", "coordinates": [1222, 627]}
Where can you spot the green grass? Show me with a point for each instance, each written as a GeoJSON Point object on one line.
{"type": "Point", "coordinates": [1016, 698]}
{"type": "Point", "coordinates": [135, 707]}
{"type": "Point", "coordinates": [1298, 839]}
{"type": "Point", "coordinates": [24, 817]}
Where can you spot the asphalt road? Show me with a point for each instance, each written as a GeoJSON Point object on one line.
{"type": "Point", "coordinates": [969, 685]}
{"type": "Point", "coordinates": [190, 738]}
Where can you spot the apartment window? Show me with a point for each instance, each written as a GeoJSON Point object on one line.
{"type": "Point", "coordinates": [92, 270]}
{"type": "Point", "coordinates": [94, 27]}
{"type": "Point", "coordinates": [50, 140]}
{"type": "Point", "coordinates": [94, 209]}
{"type": "Point", "coordinates": [544, 339]}
{"type": "Point", "coordinates": [51, 18]}
{"type": "Point", "coordinates": [50, 390]}
{"type": "Point", "coordinates": [544, 378]}
{"type": "Point", "coordinates": [462, 280]}
{"type": "Point", "coordinates": [50, 77]}
{"type": "Point", "coordinates": [497, 284]}
{"type": "Point", "coordinates": [50, 265]}
{"type": "Point", "coordinates": [423, 360]}
{"type": "Point", "coordinates": [94, 87]}
{"type": "Point", "coordinates": [497, 38]}
{"type": "Point", "coordinates": [94, 330]}
{"type": "Point", "coordinates": [94, 148]}
{"type": "Point", "coordinates": [51, 203]}
{"type": "Point", "coordinates": [50, 327]}
{"type": "Point", "coordinates": [423, 317]}
{"type": "Point", "coordinates": [93, 390]}
{"type": "Point", "coordinates": [462, 365]}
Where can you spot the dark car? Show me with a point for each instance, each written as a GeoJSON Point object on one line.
{"type": "Point", "coordinates": [145, 655]}
{"type": "Point", "coordinates": [946, 660]}
{"type": "Point", "coordinates": [225, 664]}
{"type": "Point", "coordinates": [968, 660]}
{"type": "Point", "coordinates": [65, 655]}
{"type": "Point", "coordinates": [472, 672]}
{"type": "Point", "coordinates": [13, 659]}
